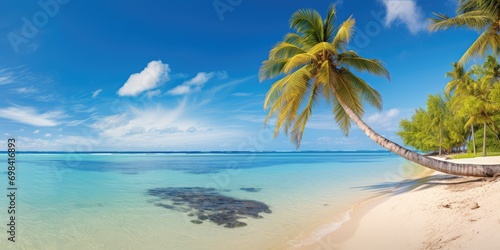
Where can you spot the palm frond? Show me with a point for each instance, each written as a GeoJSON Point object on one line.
{"type": "Point", "coordinates": [274, 92]}
{"type": "Point", "coordinates": [492, 7]}
{"type": "Point", "coordinates": [324, 47]}
{"type": "Point", "coordinates": [342, 90]}
{"type": "Point", "coordinates": [341, 118]}
{"type": "Point", "coordinates": [373, 66]}
{"type": "Point", "coordinates": [486, 40]}
{"type": "Point", "coordinates": [284, 50]}
{"type": "Point", "coordinates": [271, 69]}
{"type": "Point", "coordinates": [300, 123]}
{"type": "Point", "coordinates": [309, 23]}
{"type": "Point", "coordinates": [475, 19]}
{"type": "Point", "coordinates": [297, 61]}
{"type": "Point", "coordinates": [328, 23]}
{"type": "Point", "coordinates": [285, 98]}
{"type": "Point", "coordinates": [295, 39]}
{"type": "Point", "coordinates": [344, 33]}
{"type": "Point", "coordinates": [368, 93]}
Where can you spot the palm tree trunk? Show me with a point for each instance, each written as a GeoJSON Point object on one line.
{"type": "Point", "coordinates": [484, 139]}
{"type": "Point", "coordinates": [441, 166]}
{"type": "Point", "coordinates": [473, 138]}
{"type": "Point", "coordinates": [440, 139]}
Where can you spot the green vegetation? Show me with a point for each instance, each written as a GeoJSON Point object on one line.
{"type": "Point", "coordinates": [472, 155]}
{"type": "Point", "coordinates": [472, 101]}
{"type": "Point", "coordinates": [435, 129]}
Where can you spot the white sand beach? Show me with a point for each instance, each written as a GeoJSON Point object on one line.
{"type": "Point", "coordinates": [439, 211]}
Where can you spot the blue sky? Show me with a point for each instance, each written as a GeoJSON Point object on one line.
{"type": "Point", "coordinates": [182, 75]}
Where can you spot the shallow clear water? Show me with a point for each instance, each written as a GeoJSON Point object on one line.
{"type": "Point", "coordinates": [100, 201]}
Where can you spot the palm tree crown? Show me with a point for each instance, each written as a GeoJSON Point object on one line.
{"type": "Point", "coordinates": [313, 61]}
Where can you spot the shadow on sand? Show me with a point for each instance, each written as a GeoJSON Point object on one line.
{"type": "Point", "coordinates": [456, 183]}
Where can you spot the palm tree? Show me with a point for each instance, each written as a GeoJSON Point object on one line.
{"type": "Point", "coordinates": [480, 15]}
{"type": "Point", "coordinates": [313, 62]}
{"type": "Point", "coordinates": [475, 104]}
{"type": "Point", "coordinates": [460, 80]}
{"type": "Point", "coordinates": [437, 110]}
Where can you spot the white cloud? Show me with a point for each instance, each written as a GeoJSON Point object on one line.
{"type": "Point", "coordinates": [180, 90]}
{"type": "Point", "coordinates": [28, 90]}
{"type": "Point", "coordinates": [192, 85]}
{"type": "Point", "coordinates": [48, 135]}
{"type": "Point", "coordinates": [196, 83]}
{"type": "Point", "coordinates": [30, 116]}
{"type": "Point", "coordinates": [151, 77]}
{"type": "Point", "coordinates": [406, 12]}
{"type": "Point", "coordinates": [96, 93]}
{"type": "Point", "coordinates": [388, 120]}
{"type": "Point", "coordinates": [36, 131]}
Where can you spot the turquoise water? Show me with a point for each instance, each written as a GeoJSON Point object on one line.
{"type": "Point", "coordinates": [101, 201]}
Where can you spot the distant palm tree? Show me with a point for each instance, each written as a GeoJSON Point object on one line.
{"type": "Point", "coordinates": [313, 62]}
{"type": "Point", "coordinates": [460, 78]}
{"type": "Point", "coordinates": [480, 15]}
{"type": "Point", "coordinates": [476, 105]}
{"type": "Point", "coordinates": [460, 81]}
{"type": "Point", "coordinates": [438, 113]}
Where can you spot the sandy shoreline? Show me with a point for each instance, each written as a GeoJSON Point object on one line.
{"type": "Point", "coordinates": [439, 211]}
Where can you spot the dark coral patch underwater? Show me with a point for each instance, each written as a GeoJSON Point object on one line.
{"type": "Point", "coordinates": [209, 204]}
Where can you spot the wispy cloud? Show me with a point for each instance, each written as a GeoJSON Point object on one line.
{"type": "Point", "coordinates": [140, 121]}
{"type": "Point", "coordinates": [323, 121]}
{"type": "Point", "coordinates": [96, 93]}
{"type": "Point", "coordinates": [28, 90]}
{"type": "Point", "coordinates": [253, 118]}
{"type": "Point", "coordinates": [406, 12]}
{"type": "Point", "coordinates": [155, 74]}
{"type": "Point", "coordinates": [153, 93]}
{"type": "Point", "coordinates": [6, 76]}
{"type": "Point", "coordinates": [388, 121]}
{"type": "Point", "coordinates": [30, 116]}
{"type": "Point", "coordinates": [241, 94]}
{"type": "Point", "coordinates": [160, 127]}
{"type": "Point", "coordinates": [196, 83]}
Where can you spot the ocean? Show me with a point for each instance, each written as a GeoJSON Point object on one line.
{"type": "Point", "coordinates": [190, 200]}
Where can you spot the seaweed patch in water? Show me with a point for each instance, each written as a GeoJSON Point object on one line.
{"type": "Point", "coordinates": [209, 204]}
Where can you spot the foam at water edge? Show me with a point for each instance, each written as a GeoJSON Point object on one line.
{"type": "Point", "coordinates": [322, 232]}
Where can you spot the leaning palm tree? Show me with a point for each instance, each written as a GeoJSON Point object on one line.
{"type": "Point", "coordinates": [480, 15]}
{"type": "Point", "coordinates": [313, 62]}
